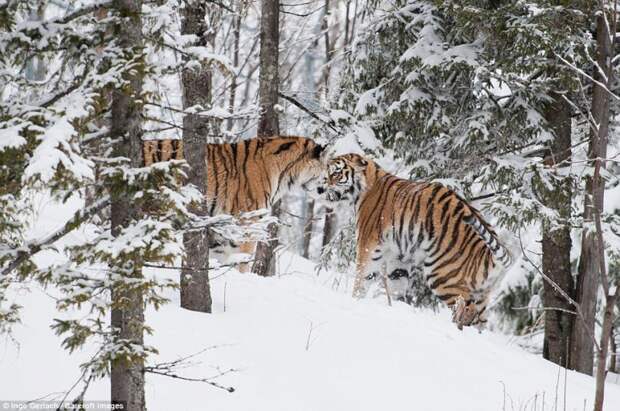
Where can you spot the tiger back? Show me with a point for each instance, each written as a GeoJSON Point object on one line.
{"type": "Point", "coordinates": [248, 175]}
{"type": "Point", "coordinates": [420, 226]}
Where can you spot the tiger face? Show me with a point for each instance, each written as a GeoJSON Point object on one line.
{"type": "Point", "coordinates": [346, 178]}
{"type": "Point", "coordinates": [303, 163]}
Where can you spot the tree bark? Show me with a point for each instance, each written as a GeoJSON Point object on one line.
{"type": "Point", "coordinates": [268, 79]}
{"type": "Point", "coordinates": [268, 125]}
{"type": "Point", "coordinates": [613, 359]}
{"type": "Point", "coordinates": [328, 227]}
{"type": "Point", "coordinates": [197, 90]}
{"type": "Point", "coordinates": [556, 241]}
{"type": "Point", "coordinates": [330, 216]}
{"type": "Point", "coordinates": [588, 278]}
{"type": "Point", "coordinates": [233, 84]}
{"type": "Point", "coordinates": [127, 377]}
{"type": "Point", "coordinates": [308, 226]}
{"type": "Point", "coordinates": [601, 363]}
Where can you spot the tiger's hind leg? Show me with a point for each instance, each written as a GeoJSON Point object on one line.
{"type": "Point", "coordinates": [464, 312]}
{"type": "Point", "coordinates": [469, 312]}
{"type": "Point", "coordinates": [481, 312]}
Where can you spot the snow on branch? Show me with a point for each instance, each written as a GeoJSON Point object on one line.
{"type": "Point", "coordinates": [35, 246]}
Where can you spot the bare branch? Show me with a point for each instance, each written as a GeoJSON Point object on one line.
{"type": "Point", "coordinates": [169, 369]}
{"type": "Point", "coordinates": [560, 291]}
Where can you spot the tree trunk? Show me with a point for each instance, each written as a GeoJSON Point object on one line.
{"type": "Point", "coordinates": [127, 377]}
{"type": "Point", "coordinates": [233, 84]}
{"type": "Point", "coordinates": [556, 241]}
{"type": "Point", "coordinates": [330, 217]}
{"type": "Point", "coordinates": [308, 226]}
{"type": "Point", "coordinates": [328, 227]}
{"type": "Point", "coordinates": [268, 125]}
{"type": "Point", "coordinates": [613, 347]}
{"type": "Point", "coordinates": [601, 360]}
{"type": "Point", "coordinates": [197, 85]}
{"type": "Point", "coordinates": [588, 271]}
{"type": "Point", "coordinates": [268, 79]}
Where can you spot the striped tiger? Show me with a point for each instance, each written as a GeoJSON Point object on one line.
{"type": "Point", "coordinates": [249, 175]}
{"type": "Point", "coordinates": [407, 225]}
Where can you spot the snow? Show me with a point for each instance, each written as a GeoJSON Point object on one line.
{"type": "Point", "coordinates": [10, 138]}
{"type": "Point", "coordinates": [360, 355]}
{"type": "Point", "coordinates": [55, 150]}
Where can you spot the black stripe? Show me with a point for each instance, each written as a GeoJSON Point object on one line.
{"type": "Point", "coordinates": [444, 227]}
{"type": "Point", "coordinates": [285, 147]}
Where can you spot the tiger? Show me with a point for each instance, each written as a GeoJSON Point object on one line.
{"type": "Point", "coordinates": [404, 225]}
{"type": "Point", "coordinates": [249, 175]}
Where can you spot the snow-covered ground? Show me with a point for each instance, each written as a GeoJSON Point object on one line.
{"type": "Point", "coordinates": [298, 343]}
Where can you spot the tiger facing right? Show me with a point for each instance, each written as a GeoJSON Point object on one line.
{"type": "Point", "coordinates": [404, 225]}
{"type": "Point", "coordinates": [247, 176]}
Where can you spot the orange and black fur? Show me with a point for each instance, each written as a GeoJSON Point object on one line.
{"type": "Point", "coordinates": [405, 225]}
{"type": "Point", "coordinates": [251, 174]}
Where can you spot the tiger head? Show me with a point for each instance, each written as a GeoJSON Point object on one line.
{"type": "Point", "coordinates": [348, 176]}
{"type": "Point", "coordinates": [301, 162]}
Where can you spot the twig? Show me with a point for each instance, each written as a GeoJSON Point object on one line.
{"type": "Point", "coordinates": [225, 283]}
{"type": "Point", "coordinates": [386, 286]}
{"type": "Point", "coordinates": [297, 104]}
{"type": "Point", "coordinates": [309, 335]}
{"type": "Point", "coordinates": [168, 369]}
{"type": "Point", "coordinates": [180, 377]}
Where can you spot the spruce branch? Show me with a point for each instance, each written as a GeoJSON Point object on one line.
{"type": "Point", "coordinates": [83, 11]}
{"type": "Point", "coordinates": [34, 247]}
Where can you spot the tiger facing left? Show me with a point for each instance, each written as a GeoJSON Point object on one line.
{"type": "Point", "coordinates": [249, 175]}
{"type": "Point", "coordinates": [404, 225]}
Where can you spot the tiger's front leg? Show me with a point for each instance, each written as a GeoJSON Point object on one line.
{"type": "Point", "coordinates": [369, 260]}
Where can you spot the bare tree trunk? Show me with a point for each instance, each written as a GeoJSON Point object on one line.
{"type": "Point", "coordinates": [598, 143]}
{"type": "Point", "coordinates": [588, 278]}
{"type": "Point", "coordinates": [127, 377]}
{"type": "Point", "coordinates": [556, 241]}
{"type": "Point", "coordinates": [268, 125]}
{"type": "Point", "coordinates": [233, 84]}
{"type": "Point", "coordinates": [268, 79]}
{"type": "Point", "coordinates": [197, 90]}
{"type": "Point", "coordinates": [330, 217]}
{"type": "Point", "coordinates": [328, 227]}
{"type": "Point", "coordinates": [601, 360]}
{"type": "Point", "coordinates": [346, 24]}
{"type": "Point", "coordinates": [613, 359]}
{"type": "Point", "coordinates": [308, 226]}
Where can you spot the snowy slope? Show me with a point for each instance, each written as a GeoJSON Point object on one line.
{"type": "Point", "coordinates": [362, 355]}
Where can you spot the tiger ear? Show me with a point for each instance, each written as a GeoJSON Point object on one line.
{"type": "Point", "coordinates": [318, 152]}
{"type": "Point", "coordinates": [361, 161]}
